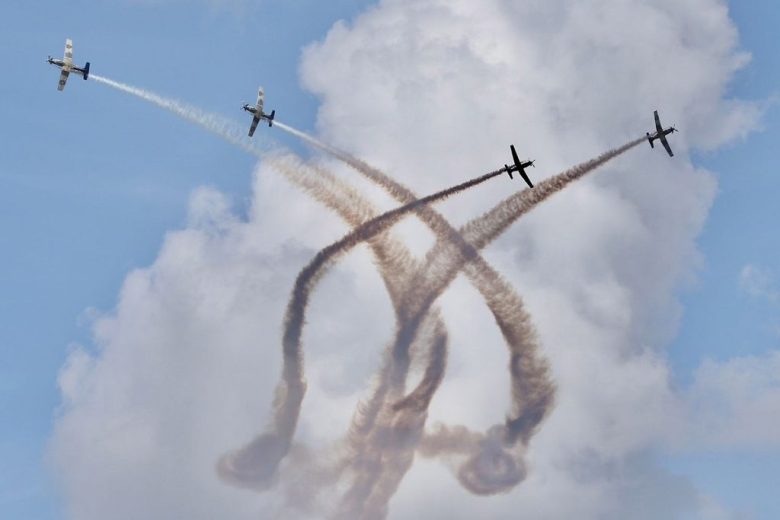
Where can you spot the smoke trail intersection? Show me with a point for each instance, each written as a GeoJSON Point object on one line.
{"type": "Point", "coordinates": [389, 426]}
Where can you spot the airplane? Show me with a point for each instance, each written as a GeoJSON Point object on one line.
{"type": "Point", "coordinates": [661, 134]}
{"type": "Point", "coordinates": [66, 64]}
{"type": "Point", "coordinates": [518, 167]}
{"type": "Point", "coordinates": [257, 112]}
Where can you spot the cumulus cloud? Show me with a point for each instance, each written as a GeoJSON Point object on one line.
{"type": "Point", "coordinates": [434, 92]}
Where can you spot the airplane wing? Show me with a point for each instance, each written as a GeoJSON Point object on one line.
{"type": "Point", "coordinates": [525, 178]}
{"type": "Point", "coordinates": [252, 128]}
{"type": "Point", "coordinates": [63, 79]}
{"type": "Point", "coordinates": [658, 126]}
{"type": "Point", "coordinates": [666, 145]}
{"type": "Point", "coordinates": [260, 101]}
{"type": "Point", "coordinates": [68, 51]}
{"type": "Point", "coordinates": [515, 157]}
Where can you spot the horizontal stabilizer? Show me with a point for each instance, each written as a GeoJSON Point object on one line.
{"type": "Point", "coordinates": [86, 71]}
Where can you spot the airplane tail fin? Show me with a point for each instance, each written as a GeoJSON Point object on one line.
{"type": "Point", "coordinates": [508, 171]}
{"type": "Point", "coordinates": [650, 140]}
{"type": "Point", "coordinates": [86, 71]}
{"type": "Point", "coordinates": [271, 118]}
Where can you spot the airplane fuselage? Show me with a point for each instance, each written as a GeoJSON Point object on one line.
{"type": "Point", "coordinates": [67, 67]}
{"type": "Point", "coordinates": [61, 64]}
{"type": "Point", "coordinates": [657, 135]}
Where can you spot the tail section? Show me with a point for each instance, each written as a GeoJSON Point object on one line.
{"type": "Point", "coordinates": [650, 140]}
{"type": "Point", "coordinates": [508, 171]}
{"type": "Point", "coordinates": [86, 71]}
{"type": "Point", "coordinates": [271, 118]}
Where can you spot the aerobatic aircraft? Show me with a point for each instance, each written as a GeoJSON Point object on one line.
{"type": "Point", "coordinates": [518, 167]}
{"type": "Point", "coordinates": [66, 65]}
{"type": "Point", "coordinates": [661, 134]}
{"type": "Point", "coordinates": [257, 112]}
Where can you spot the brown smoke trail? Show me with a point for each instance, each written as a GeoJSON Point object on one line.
{"type": "Point", "coordinates": [275, 445]}
{"type": "Point", "coordinates": [532, 393]}
{"type": "Point", "coordinates": [254, 465]}
{"type": "Point", "coordinates": [382, 488]}
{"type": "Point", "coordinates": [248, 466]}
{"type": "Point", "coordinates": [491, 469]}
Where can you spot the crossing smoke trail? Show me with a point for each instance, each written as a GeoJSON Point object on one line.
{"type": "Point", "coordinates": [490, 469]}
{"type": "Point", "coordinates": [252, 465]}
{"type": "Point", "coordinates": [290, 393]}
{"type": "Point", "coordinates": [393, 259]}
{"type": "Point", "coordinates": [532, 390]}
{"type": "Point", "coordinates": [389, 427]}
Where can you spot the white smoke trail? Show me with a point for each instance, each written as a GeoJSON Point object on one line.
{"type": "Point", "coordinates": [228, 130]}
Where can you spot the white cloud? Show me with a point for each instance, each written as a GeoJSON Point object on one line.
{"type": "Point", "coordinates": [758, 283]}
{"type": "Point", "coordinates": [736, 403]}
{"type": "Point", "coordinates": [434, 92]}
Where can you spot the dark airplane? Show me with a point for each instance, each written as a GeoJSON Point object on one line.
{"type": "Point", "coordinates": [661, 134]}
{"type": "Point", "coordinates": [66, 65]}
{"type": "Point", "coordinates": [257, 112]}
{"type": "Point", "coordinates": [518, 167]}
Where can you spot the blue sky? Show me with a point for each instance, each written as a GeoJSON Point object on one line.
{"type": "Point", "coordinates": [93, 180]}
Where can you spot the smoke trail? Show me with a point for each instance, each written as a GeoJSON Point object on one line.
{"type": "Point", "coordinates": [481, 231]}
{"type": "Point", "coordinates": [246, 466]}
{"type": "Point", "coordinates": [487, 467]}
{"type": "Point", "coordinates": [532, 390]}
{"type": "Point", "coordinates": [442, 265]}
{"type": "Point", "coordinates": [250, 465]}
{"type": "Point", "coordinates": [224, 128]}
{"type": "Point", "coordinates": [290, 392]}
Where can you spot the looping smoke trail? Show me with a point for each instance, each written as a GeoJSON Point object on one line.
{"type": "Point", "coordinates": [392, 429]}
{"type": "Point", "coordinates": [530, 405]}
{"type": "Point", "coordinates": [254, 465]}
{"type": "Point", "coordinates": [251, 466]}
{"type": "Point", "coordinates": [290, 394]}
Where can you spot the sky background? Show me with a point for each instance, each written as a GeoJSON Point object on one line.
{"type": "Point", "coordinates": [94, 181]}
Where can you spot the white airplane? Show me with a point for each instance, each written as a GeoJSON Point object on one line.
{"type": "Point", "coordinates": [257, 112]}
{"type": "Point", "coordinates": [66, 64]}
